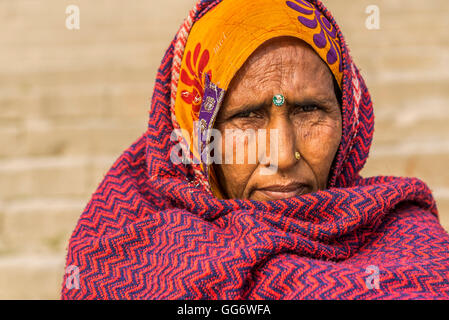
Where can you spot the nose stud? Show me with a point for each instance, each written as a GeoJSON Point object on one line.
{"type": "Point", "coordinates": [297, 155]}
{"type": "Point", "coordinates": [278, 100]}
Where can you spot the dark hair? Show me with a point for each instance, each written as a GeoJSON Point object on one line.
{"type": "Point", "coordinates": [338, 93]}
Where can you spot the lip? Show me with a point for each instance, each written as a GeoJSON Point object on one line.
{"type": "Point", "coordinates": [282, 191]}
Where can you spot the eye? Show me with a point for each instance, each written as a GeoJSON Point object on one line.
{"type": "Point", "coordinates": [307, 108]}
{"type": "Point", "coordinates": [244, 114]}
{"type": "Point", "coordinates": [310, 108]}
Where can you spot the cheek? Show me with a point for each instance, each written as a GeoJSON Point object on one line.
{"type": "Point", "coordinates": [233, 179]}
{"type": "Point", "coordinates": [318, 143]}
{"type": "Point", "coordinates": [233, 175]}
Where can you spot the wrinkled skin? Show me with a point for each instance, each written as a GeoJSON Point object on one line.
{"type": "Point", "coordinates": [309, 122]}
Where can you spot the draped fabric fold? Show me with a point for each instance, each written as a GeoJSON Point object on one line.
{"type": "Point", "coordinates": [154, 230]}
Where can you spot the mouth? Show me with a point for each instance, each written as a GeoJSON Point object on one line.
{"type": "Point", "coordinates": [280, 191]}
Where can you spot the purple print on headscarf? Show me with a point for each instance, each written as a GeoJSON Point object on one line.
{"type": "Point", "coordinates": [326, 33]}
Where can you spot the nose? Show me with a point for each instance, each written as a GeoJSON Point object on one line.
{"type": "Point", "coordinates": [286, 142]}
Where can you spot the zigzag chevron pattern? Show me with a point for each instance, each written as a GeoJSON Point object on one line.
{"type": "Point", "coordinates": [150, 232]}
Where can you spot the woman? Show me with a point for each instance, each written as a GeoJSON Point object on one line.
{"type": "Point", "coordinates": [173, 219]}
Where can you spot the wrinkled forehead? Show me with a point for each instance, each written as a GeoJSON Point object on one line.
{"type": "Point", "coordinates": [283, 63]}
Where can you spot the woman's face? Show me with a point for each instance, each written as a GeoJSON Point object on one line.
{"type": "Point", "coordinates": [308, 122]}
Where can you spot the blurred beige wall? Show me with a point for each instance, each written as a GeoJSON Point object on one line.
{"type": "Point", "coordinates": [72, 101]}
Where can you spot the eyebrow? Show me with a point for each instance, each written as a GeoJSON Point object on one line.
{"type": "Point", "coordinates": [323, 100]}
{"type": "Point", "coordinates": [250, 107]}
